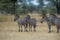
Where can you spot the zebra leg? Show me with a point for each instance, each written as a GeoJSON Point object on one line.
{"type": "Point", "coordinates": [34, 28]}
{"type": "Point", "coordinates": [57, 29]}
{"type": "Point", "coordinates": [26, 28]}
{"type": "Point", "coordinates": [21, 28]}
{"type": "Point", "coordinates": [29, 27]}
{"type": "Point", "coordinates": [49, 26]}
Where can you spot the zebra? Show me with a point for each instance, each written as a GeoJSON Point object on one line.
{"type": "Point", "coordinates": [51, 20]}
{"type": "Point", "coordinates": [22, 22]}
{"type": "Point", "coordinates": [32, 23]}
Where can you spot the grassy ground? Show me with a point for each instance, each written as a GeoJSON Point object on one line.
{"type": "Point", "coordinates": [9, 30]}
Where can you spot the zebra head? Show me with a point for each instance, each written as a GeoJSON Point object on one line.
{"type": "Point", "coordinates": [16, 16]}
{"type": "Point", "coordinates": [27, 18]}
{"type": "Point", "coordinates": [44, 19]}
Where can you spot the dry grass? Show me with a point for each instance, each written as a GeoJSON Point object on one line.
{"type": "Point", "coordinates": [9, 30]}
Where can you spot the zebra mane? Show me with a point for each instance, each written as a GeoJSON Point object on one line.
{"type": "Point", "coordinates": [53, 15]}
{"type": "Point", "coordinates": [17, 15]}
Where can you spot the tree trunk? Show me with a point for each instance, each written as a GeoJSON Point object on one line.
{"type": "Point", "coordinates": [58, 6]}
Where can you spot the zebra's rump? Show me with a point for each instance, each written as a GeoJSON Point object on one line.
{"type": "Point", "coordinates": [57, 21]}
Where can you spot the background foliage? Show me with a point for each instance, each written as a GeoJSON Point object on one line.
{"type": "Point", "coordinates": [22, 7]}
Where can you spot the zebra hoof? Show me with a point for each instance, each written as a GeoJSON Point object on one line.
{"type": "Point", "coordinates": [29, 30]}
{"type": "Point", "coordinates": [49, 32]}
{"type": "Point", "coordinates": [57, 32]}
{"type": "Point", "coordinates": [34, 30]}
{"type": "Point", "coordinates": [19, 30]}
{"type": "Point", "coordinates": [26, 31]}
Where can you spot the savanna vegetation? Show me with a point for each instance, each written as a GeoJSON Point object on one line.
{"type": "Point", "coordinates": [22, 7]}
{"type": "Point", "coordinates": [9, 28]}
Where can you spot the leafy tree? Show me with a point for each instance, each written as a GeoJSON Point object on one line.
{"type": "Point", "coordinates": [22, 8]}
{"type": "Point", "coordinates": [54, 5]}
{"type": "Point", "coordinates": [8, 6]}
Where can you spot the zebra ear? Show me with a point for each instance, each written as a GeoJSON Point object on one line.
{"type": "Point", "coordinates": [28, 16]}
